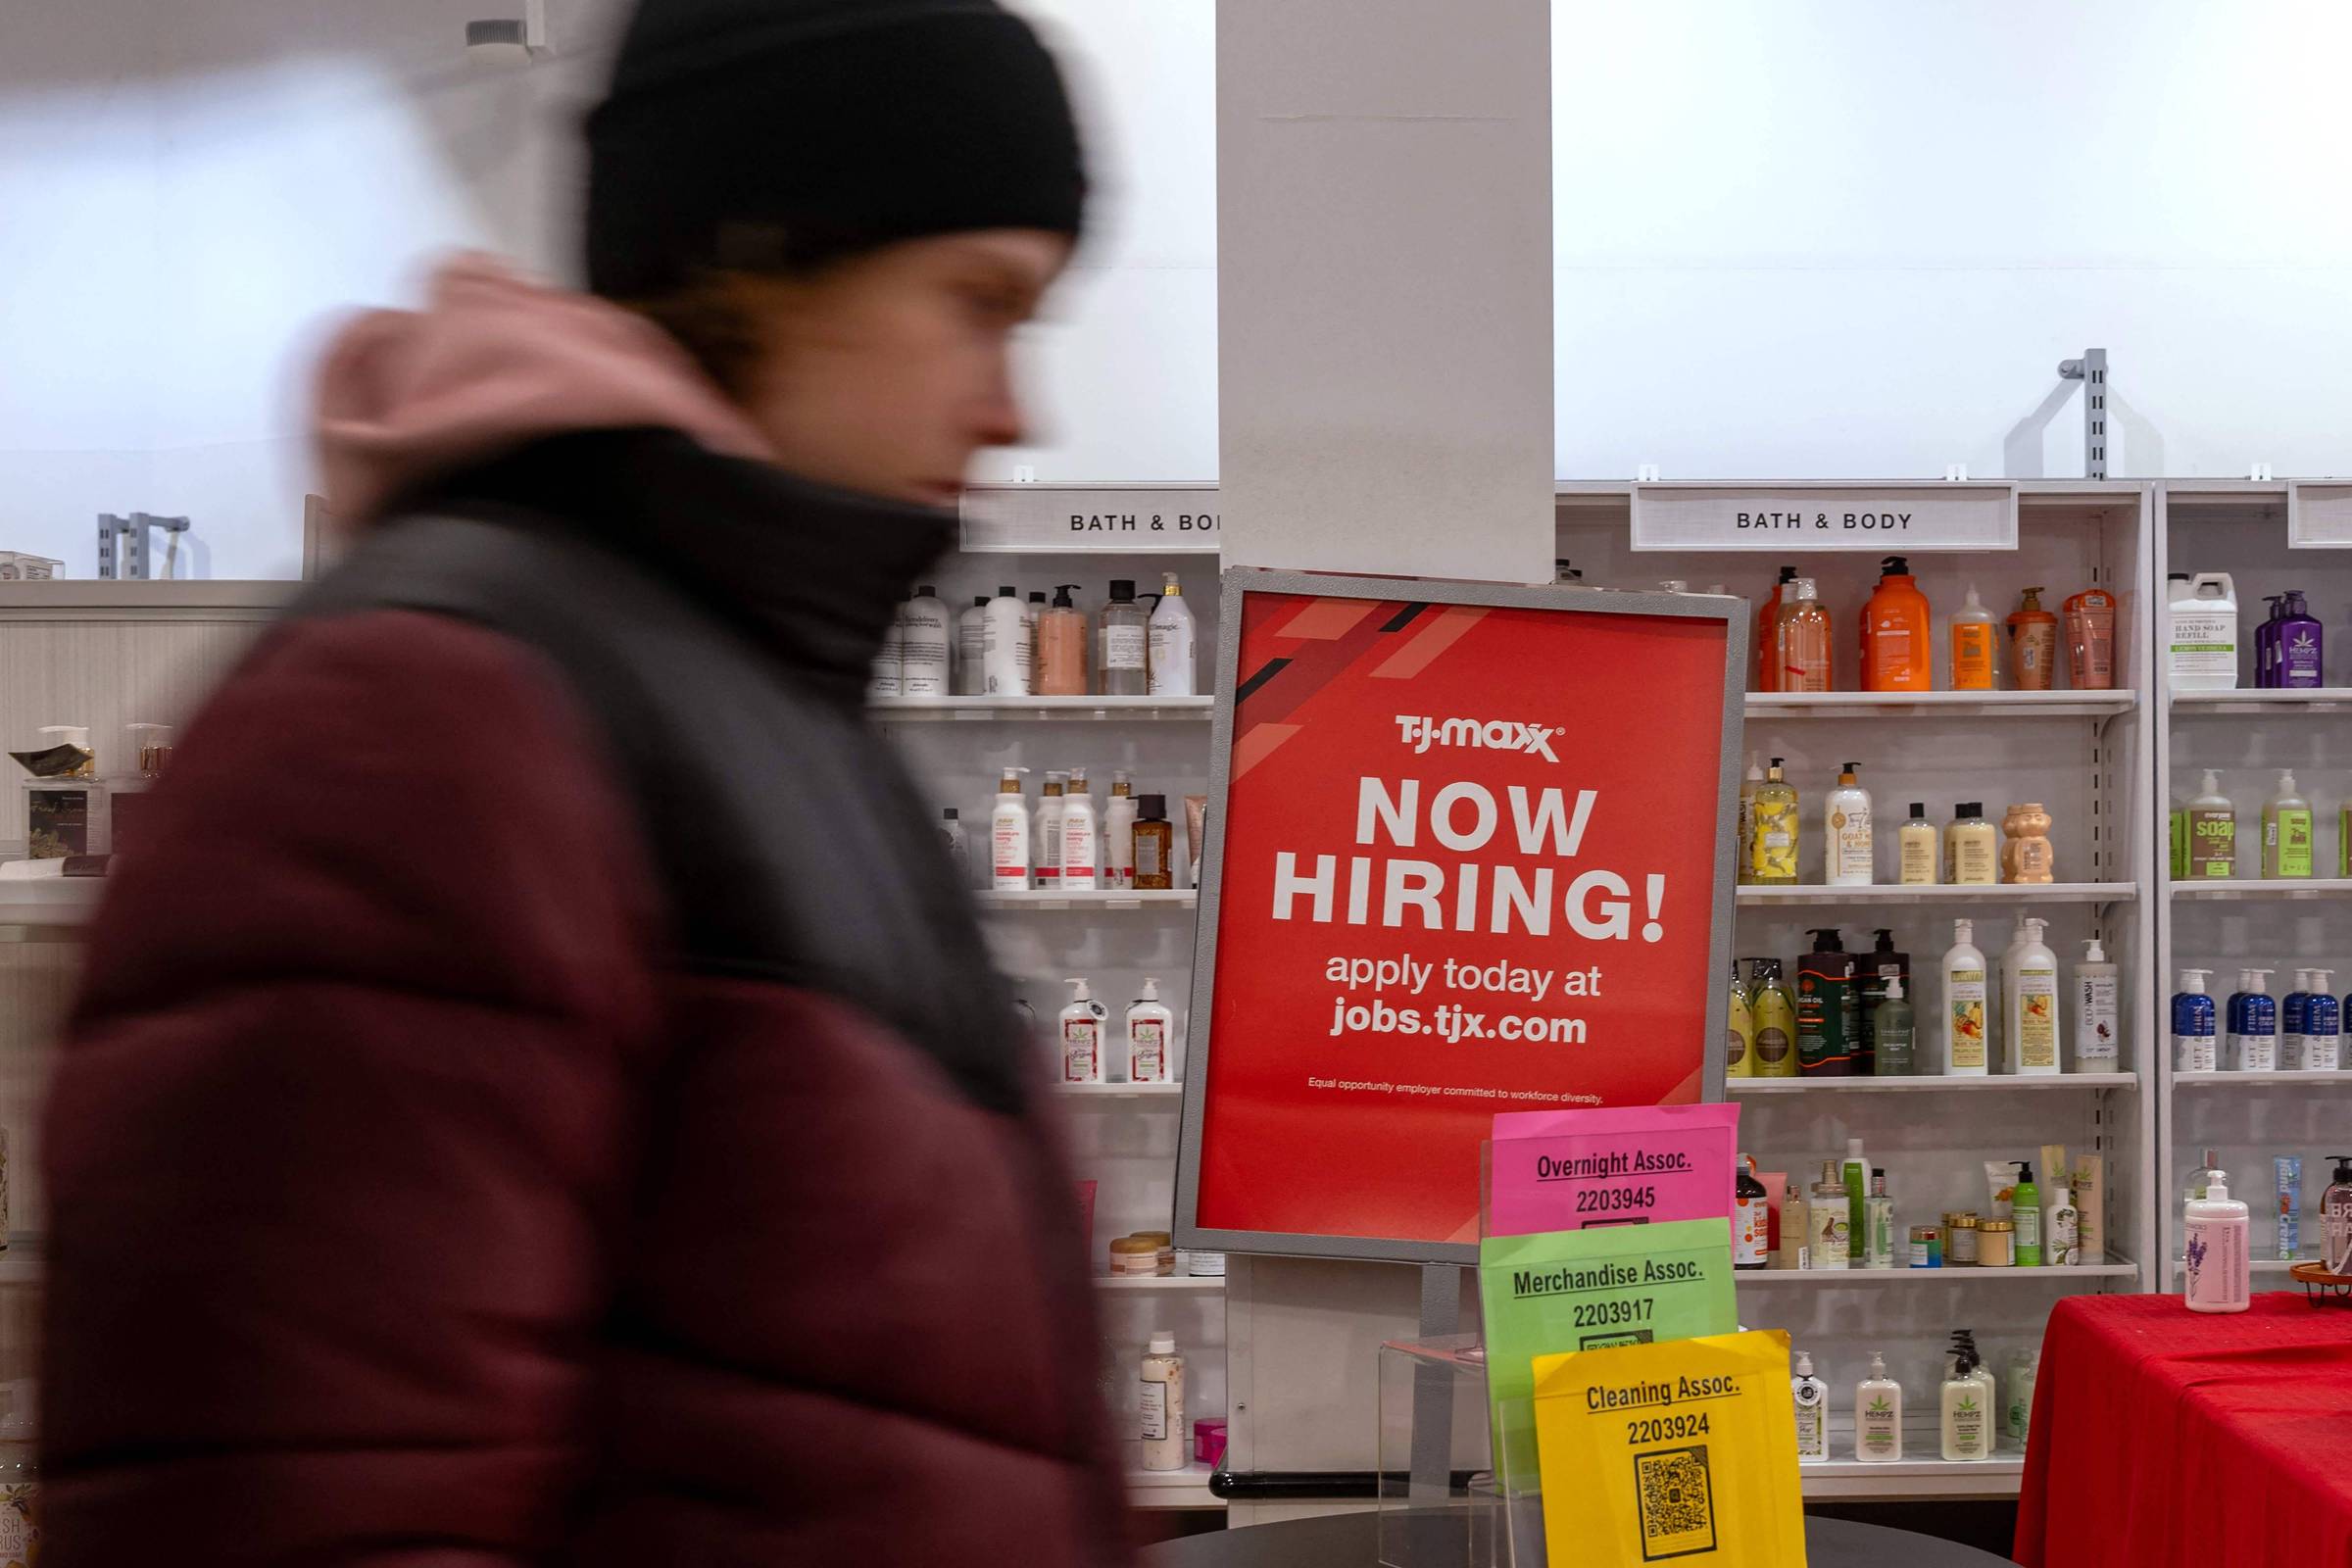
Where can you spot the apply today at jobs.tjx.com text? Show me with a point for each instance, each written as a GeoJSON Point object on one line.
{"type": "Point", "coordinates": [1447, 1021]}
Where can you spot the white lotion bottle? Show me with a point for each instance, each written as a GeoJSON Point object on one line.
{"type": "Point", "coordinates": [2030, 985]}
{"type": "Point", "coordinates": [1008, 836]}
{"type": "Point", "coordinates": [1118, 834]}
{"type": "Point", "coordinates": [1007, 650]}
{"type": "Point", "coordinates": [1081, 1036]}
{"type": "Point", "coordinates": [1852, 846]}
{"type": "Point", "coordinates": [2215, 1273]}
{"type": "Point", "coordinates": [1812, 1397]}
{"type": "Point", "coordinates": [1080, 837]}
{"type": "Point", "coordinates": [971, 650]}
{"type": "Point", "coordinates": [1878, 1415]}
{"type": "Point", "coordinates": [923, 655]}
{"type": "Point", "coordinates": [1163, 1405]}
{"type": "Point", "coordinates": [1967, 1412]}
{"type": "Point", "coordinates": [1151, 1037]}
{"type": "Point", "coordinates": [1964, 1052]}
{"type": "Point", "coordinates": [1171, 642]}
{"type": "Point", "coordinates": [1049, 832]}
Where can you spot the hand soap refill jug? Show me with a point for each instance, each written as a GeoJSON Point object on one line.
{"type": "Point", "coordinates": [1894, 632]}
{"type": "Point", "coordinates": [2194, 1044]}
{"type": "Point", "coordinates": [2201, 633]}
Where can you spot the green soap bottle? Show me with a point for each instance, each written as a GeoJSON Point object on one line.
{"type": "Point", "coordinates": [2286, 831]}
{"type": "Point", "coordinates": [2025, 1207]}
{"type": "Point", "coordinates": [1897, 1036]}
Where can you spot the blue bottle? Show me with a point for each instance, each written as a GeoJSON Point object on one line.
{"type": "Point", "coordinates": [2192, 1024]}
{"type": "Point", "coordinates": [2253, 1024]}
{"type": "Point", "coordinates": [2294, 1010]}
{"type": "Point", "coordinates": [2296, 645]}
{"type": "Point", "coordinates": [2323, 1026]}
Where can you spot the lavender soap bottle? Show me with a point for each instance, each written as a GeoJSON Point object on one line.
{"type": "Point", "coordinates": [2297, 646]}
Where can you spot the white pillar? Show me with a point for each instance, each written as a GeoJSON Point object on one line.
{"type": "Point", "coordinates": [1383, 256]}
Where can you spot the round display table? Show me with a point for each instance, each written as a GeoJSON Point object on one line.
{"type": "Point", "coordinates": [1352, 1541]}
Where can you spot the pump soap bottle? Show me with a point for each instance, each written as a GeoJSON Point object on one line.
{"type": "Point", "coordinates": [1772, 821]}
{"type": "Point", "coordinates": [1805, 639]}
{"type": "Point", "coordinates": [2032, 983]}
{"type": "Point", "coordinates": [1878, 1415]}
{"type": "Point", "coordinates": [2212, 831]}
{"type": "Point", "coordinates": [1974, 646]}
{"type": "Point", "coordinates": [1776, 1021]}
{"type": "Point", "coordinates": [1851, 846]}
{"type": "Point", "coordinates": [2323, 1026]}
{"type": "Point", "coordinates": [1894, 1035]}
{"type": "Point", "coordinates": [2253, 1024]}
{"type": "Point", "coordinates": [1768, 633]}
{"type": "Point", "coordinates": [1171, 642]}
{"type": "Point", "coordinates": [1746, 830]}
{"type": "Point", "coordinates": [2217, 1262]}
{"type": "Point", "coordinates": [2097, 987]}
{"type": "Point", "coordinates": [1082, 1035]}
{"type": "Point", "coordinates": [1122, 643]}
{"type": "Point", "coordinates": [2335, 1218]}
{"type": "Point", "coordinates": [1827, 1011]}
{"type": "Point", "coordinates": [1008, 836]}
{"type": "Point", "coordinates": [1738, 1031]}
{"type": "Point", "coordinates": [1965, 1430]}
{"type": "Point", "coordinates": [2286, 831]}
{"type": "Point", "coordinates": [1875, 971]}
{"type": "Point", "coordinates": [1964, 1043]}
{"type": "Point", "coordinates": [1061, 646]}
{"type": "Point", "coordinates": [2193, 1040]}
{"type": "Point", "coordinates": [1812, 1397]}
{"type": "Point", "coordinates": [1149, 1028]}
{"type": "Point", "coordinates": [2033, 643]}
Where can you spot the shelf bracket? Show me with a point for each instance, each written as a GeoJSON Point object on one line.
{"type": "Point", "coordinates": [2091, 371]}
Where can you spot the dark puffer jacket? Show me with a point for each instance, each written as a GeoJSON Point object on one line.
{"type": "Point", "coordinates": [540, 1096]}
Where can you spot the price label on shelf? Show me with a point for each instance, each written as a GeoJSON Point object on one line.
{"type": "Point", "coordinates": [1876, 518]}
{"type": "Point", "coordinates": [2319, 515]}
{"type": "Point", "coordinates": [1073, 519]}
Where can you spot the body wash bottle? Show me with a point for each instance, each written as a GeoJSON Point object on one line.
{"type": "Point", "coordinates": [1008, 836]}
{"type": "Point", "coordinates": [2212, 831]}
{"type": "Point", "coordinates": [1081, 835]}
{"type": "Point", "coordinates": [1964, 1043]}
{"type": "Point", "coordinates": [1170, 641]}
{"type": "Point", "coordinates": [1120, 641]}
{"type": "Point", "coordinates": [1049, 832]}
{"type": "Point", "coordinates": [1812, 1397]}
{"type": "Point", "coordinates": [1776, 1021]}
{"type": "Point", "coordinates": [1853, 1174]}
{"type": "Point", "coordinates": [1118, 834]}
{"type": "Point", "coordinates": [2254, 1024]}
{"type": "Point", "coordinates": [1895, 647]}
{"type": "Point", "coordinates": [2025, 1209]}
{"type": "Point", "coordinates": [1972, 853]}
{"type": "Point", "coordinates": [1974, 646]}
{"type": "Point", "coordinates": [1878, 1247]}
{"type": "Point", "coordinates": [1061, 639]}
{"type": "Point", "coordinates": [1009, 653]}
{"type": "Point", "coordinates": [1772, 829]}
{"type": "Point", "coordinates": [1851, 845]}
{"type": "Point", "coordinates": [1805, 639]}
{"type": "Point", "coordinates": [1878, 1415]}
{"type": "Point", "coordinates": [2096, 989]}
{"type": "Point", "coordinates": [1739, 1031]}
{"type": "Point", "coordinates": [2193, 1042]}
{"type": "Point", "coordinates": [2031, 985]}
{"type": "Point", "coordinates": [1920, 853]}
{"type": "Point", "coordinates": [2323, 1026]}
{"type": "Point", "coordinates": [1894, 1039]}
{"type": "Point", "coordinates": [2286, 831]}
{"type": "Point", "coordinates": [1967, 1433]}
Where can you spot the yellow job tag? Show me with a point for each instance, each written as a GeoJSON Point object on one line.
{"type": "Point", "coordinates": [1680, 1451]}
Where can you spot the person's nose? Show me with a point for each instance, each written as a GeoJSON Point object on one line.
{"type": "Point", "coordinates": [999, 419]}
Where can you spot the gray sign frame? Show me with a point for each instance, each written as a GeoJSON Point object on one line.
{"type": "Point", "coordinates": [1240, 582]}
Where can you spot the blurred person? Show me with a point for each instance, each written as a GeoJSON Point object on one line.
{"type": "Point", "coordinates": [540, 1094]}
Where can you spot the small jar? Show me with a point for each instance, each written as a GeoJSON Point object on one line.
{"type": "Point", "coordinates": [1166, 1244]}
{"type": "Point", "coordinates": [1996, 1243]}
{"type": "Point", "coordinates": [1960, 1241]}
{"type": "Point", "coordinates": [1134, 1257]}
{"type": "Point", "coordinates": [1927, 1246]}
{"type": "Point", "coordinates": [1204, 1265]}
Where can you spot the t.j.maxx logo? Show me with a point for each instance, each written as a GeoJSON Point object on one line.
{"type": "Point", "coordinates": [1494, 735]}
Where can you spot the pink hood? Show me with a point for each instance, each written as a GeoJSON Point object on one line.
{"type": "Point", "coordinates": [495, 361]}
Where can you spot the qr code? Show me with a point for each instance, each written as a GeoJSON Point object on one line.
{"type": "Point", "coordinates": [1678, 1504]}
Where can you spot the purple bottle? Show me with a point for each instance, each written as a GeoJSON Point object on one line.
{"type": "Point", "coordinates": [2296, 645]}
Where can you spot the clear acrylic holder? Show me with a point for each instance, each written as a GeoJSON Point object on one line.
{"type": "Point", "coordinates": [1474, 1518]}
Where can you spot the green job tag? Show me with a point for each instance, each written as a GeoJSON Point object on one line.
{"type": "Point", "coordinates": [1586, 1289]}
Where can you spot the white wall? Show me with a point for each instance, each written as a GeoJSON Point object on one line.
{"type": "Point", "coordinates": [1830, 237]}
{"type": "Point", "coordinates": [1811, 237]}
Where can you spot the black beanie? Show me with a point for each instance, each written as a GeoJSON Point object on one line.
{"type": "Point", "coordinates": [761, 134]}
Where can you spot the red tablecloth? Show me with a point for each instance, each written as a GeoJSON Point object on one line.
{"type": "Point", "coordinates": [2162, 1436]}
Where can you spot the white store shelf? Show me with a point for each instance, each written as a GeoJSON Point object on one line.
{"type": "Point", "coordinates": [1932, 1477]}
{"type": "Point", "coordinates": [1835, 1278]}
{"type": "Point", "coordinates": [2286, 886]}
{"type": "Point", "coordinates": [1945, 893]}
{"type": "Point", "coordinates": [1187, 1488]}
{"type": "Point", "coordinates": [2284, 699]}
{"type": "Point", "coordinates": [1166, 1094]}
{"type": "Point", "coordinates": [1159, 1282]}
{"type": "Point", "coordinates": [2270, 1265]}
{"type": "Point", "coordinates": [1925, 1083]}
{"type": "Point", "coordinates": [2256, 1080]}
{"type": "Point", "coordinates": [1939, 705]}
{"type": "Point", "coordinates": [1125, 903]}
{"type": "Point", "coordinates": [1102, 710]}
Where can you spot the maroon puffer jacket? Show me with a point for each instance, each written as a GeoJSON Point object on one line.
{"type": "Point", "coordinates": [539, 1096]}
